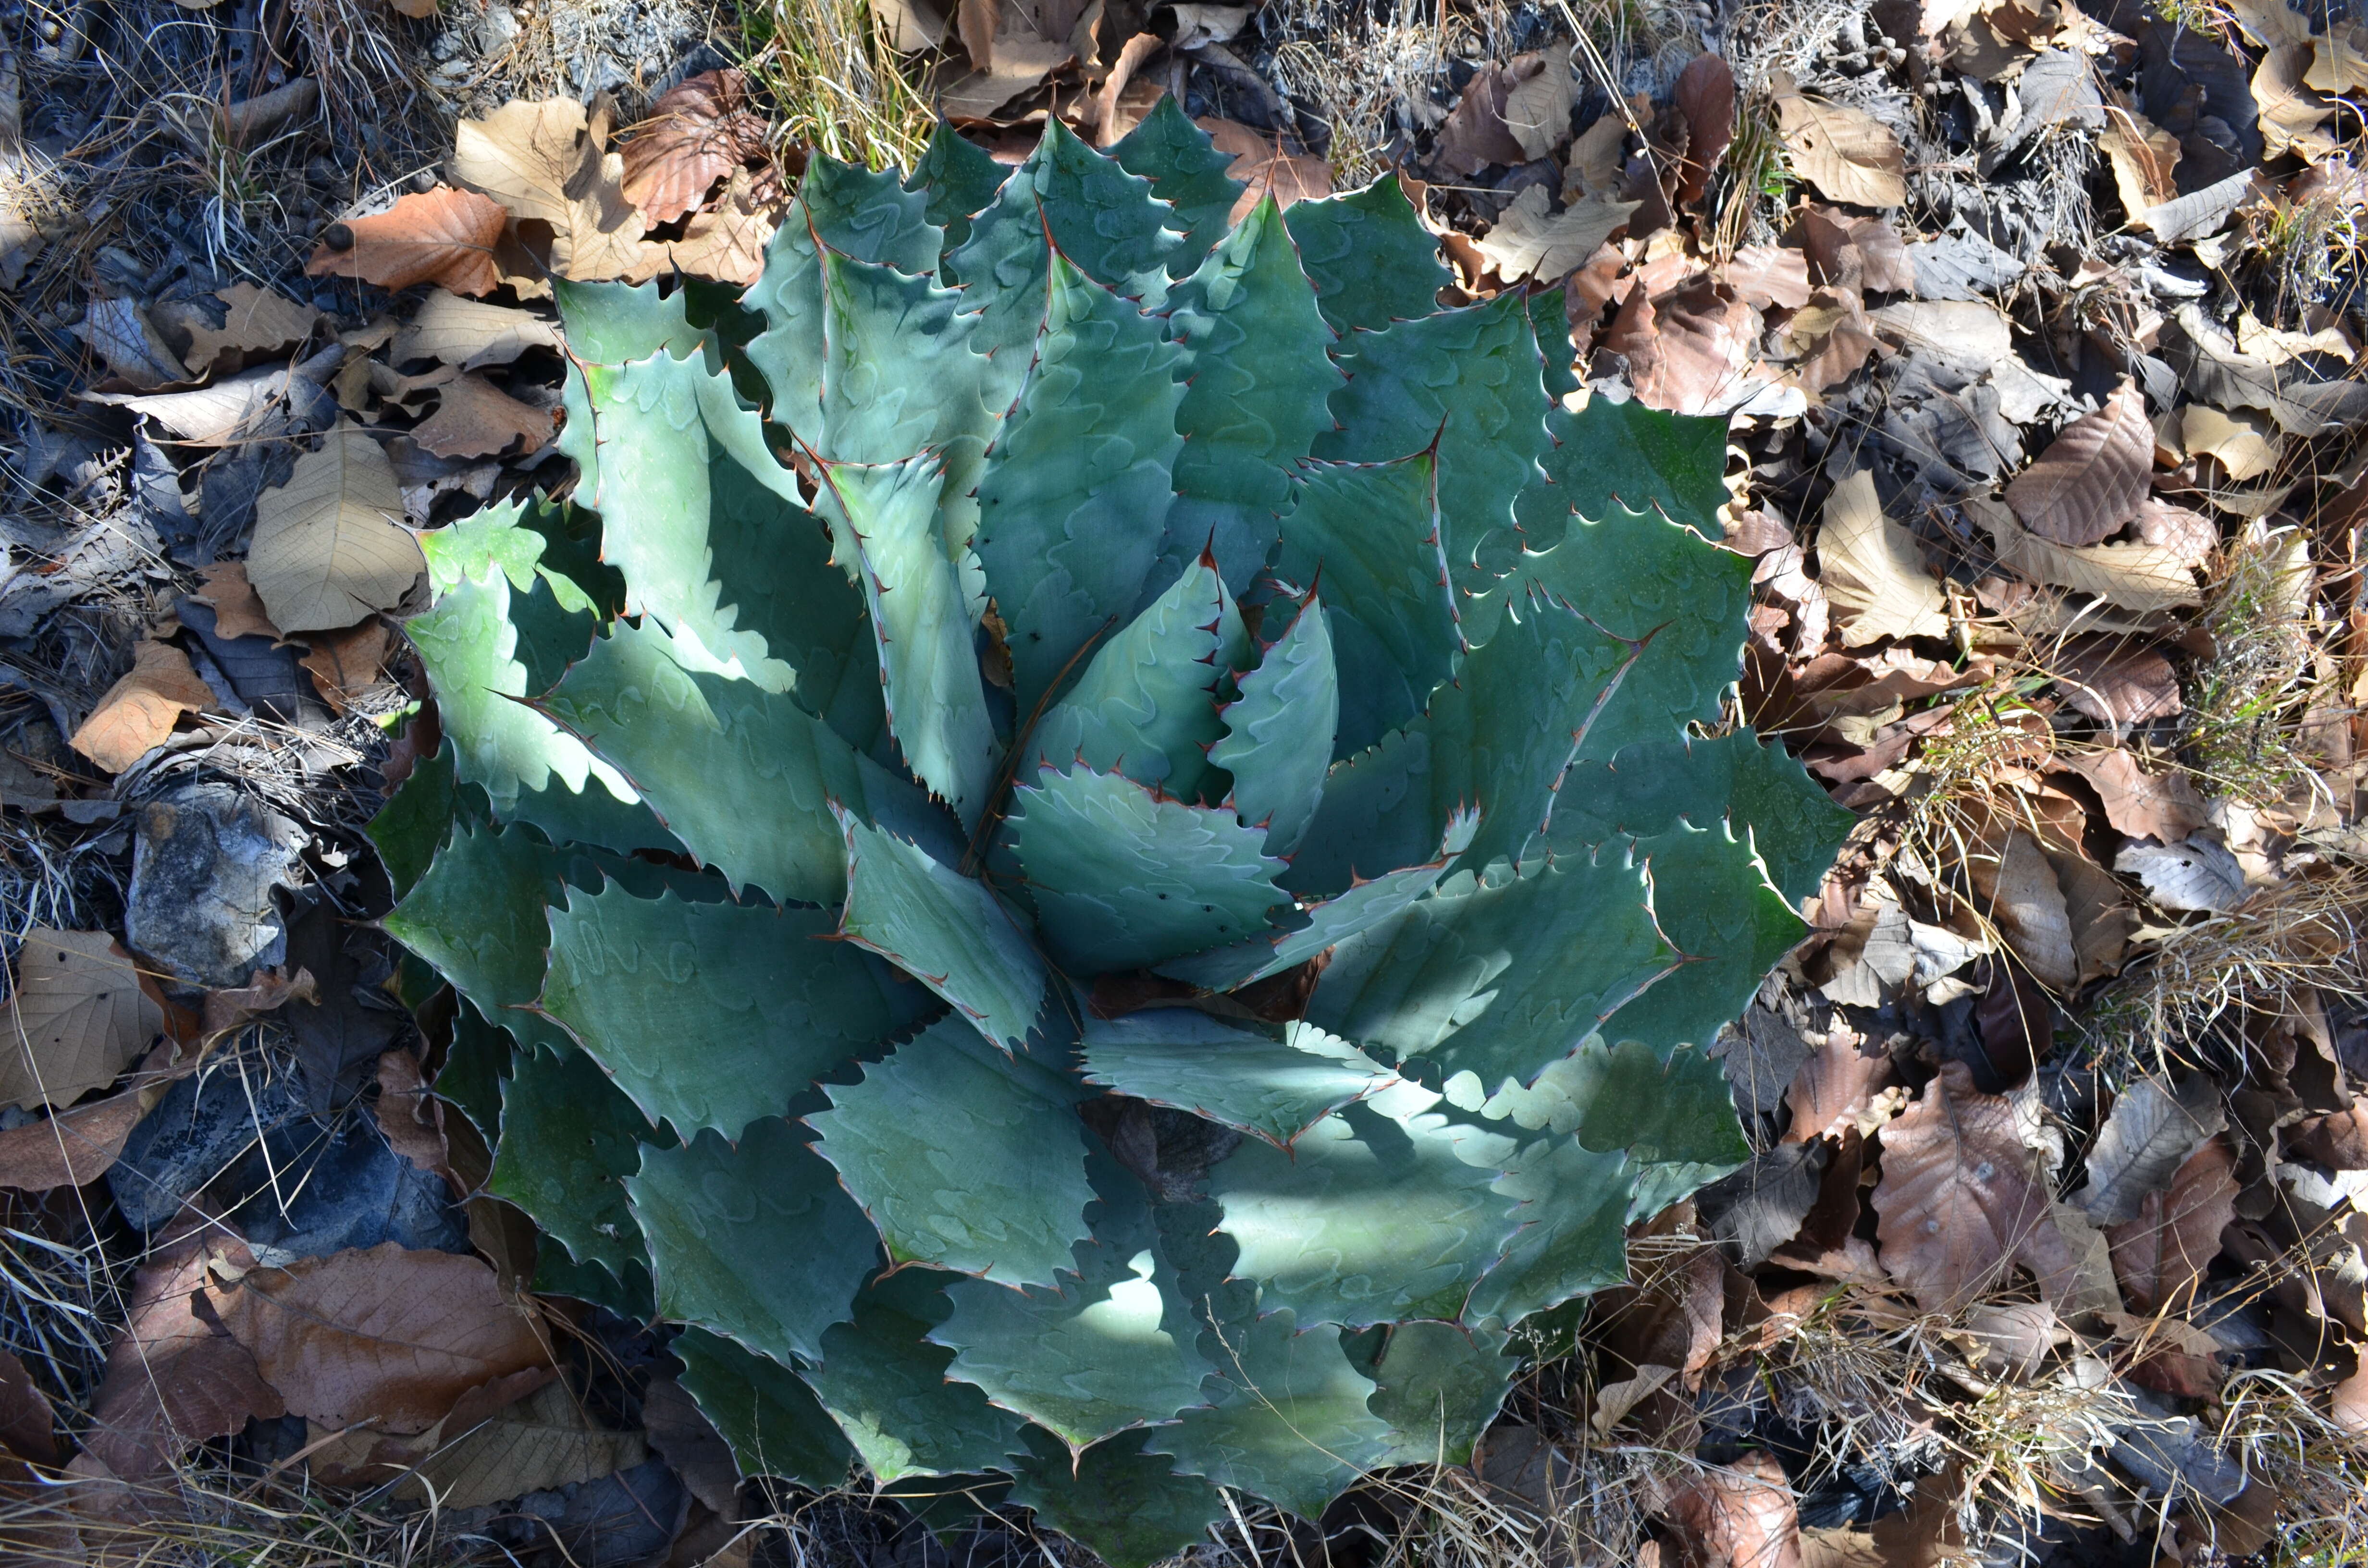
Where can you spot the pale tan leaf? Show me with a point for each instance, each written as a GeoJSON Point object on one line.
{"type": "Point", "coordinates": [1613, 1400]}
{"type": "Point", "coordinates": [978, 22]}
{"type": "Point", "coordinates": [442, 236]}
{"type": "Point", "coordinates": [1847, 154]}
{"type": "Point", "coordinates": [329, 545]}
{"type": "Point", "coordinates": [78, 1016]}
{"type": "Point", "coordinates": [2188, 536]}
{"type": "Point", "coordinates": [1263, 165]}
{"type": "Point", "coordinates": [2142, 157]}
{"type": "Point", "coordinates": [1593, 167]}
{"type": "Point", "coordinates": [2246, 445]}
{"type": "Point", "coordinates": [698, 132]}
{"type": "Point", "coordinates": [2293, 116]}
{"type": "Point", "coordinates": [1971, 334]}
{"type": "Point", "coordinates": [237, 612]}
{"type": "Point", "coordinates": [913, 25]}
{"type": "Point", "coordinates": [237, 409]}
{"type": "Point", "coordinates": [2141, 578]}
{"type": "Point", "coordinates": [386, 1335]}
{"type": "Point", "coordinates": [2020, 896]}
{"type": "Point", "coordinates": [545, 160]}
{"type": "Point", "coordinates": [1767, 276]}
{"type": "Point", "coordinates": [2341, 65]}
{"type": "Point", "coordinates": [471, 334]}
{"type": "Point", "coordinates": [2150, 1133]}
{"type": "Point", "coordinates": [2194, 874]}
{"type": "Point", "coordinates": [1021, 62]}
{"type": "Point", "coordinates": [2271, 22]}
{"type": "Point", "coordinates": [1872, 570]}
{"type": "Point", "coordinates": [474, 418]}
{"type": "Point", "coordinates": [1529, 242]}
{"type": "Point", "coordinates": [119, 332]}
{"type": "Point", "coordinates": [542, 1441]}
{"type": "Point", "coordinates": [256, 322]}
{"type": "Point", "coordinates": [1961, 1201]}
{"type": "Point", "coordinates": [2161, 1255]}
{"type": "Point", "coordinates": [346, 666]}
{"type": "Point", "coordinates": [138, 712]}
{"type": "Point", "coordinates": [2092, 477]}
{"type": "Point", "coordinates": [1537, 109]}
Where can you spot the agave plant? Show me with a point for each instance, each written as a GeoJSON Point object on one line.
{"type": "Point", "coordinates": [1095, 848]}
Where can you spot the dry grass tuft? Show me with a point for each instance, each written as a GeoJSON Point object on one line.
{"type": "Point", "coordinates": [837, 83]}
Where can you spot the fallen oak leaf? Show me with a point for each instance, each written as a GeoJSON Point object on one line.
{"type": "Point", "coordinates": [546, 161]}
{"type": "Point", "coordinates": [1847, 154]}
{"type": "Point", "coordinates": [345, 666]}
{"type": "Point", "coordinates": [384, 1334]}
{"type": "Point", "coordinates": [138, 712]}
{"type": "Point", "coordinates": [256, 322]}
{"type": "Point", "coordinates": [441, 236]}
{"type": "Point", "coordinates": [2141, 578]}
{"type": "Point", "coordinates": [1263, 167]}
{"type": "Point", "coordinates": [1528, 242]}
{"type": "Point", "coordinates": [474, 418]}
{"type": "Point", "coordinates": [237, 611]}
{"type": "Point", "coordinates": [2091, 478]}
{"type": "Point", "coordinates": [2162, 1255]}
{"type": "Point", "coordinates": [469, 334]}
{"type": "Point", "coordinates": [329, 545]}
{"type": "Point", "coordinates": [173, 1376]}
{"type": "Point", "coordinates": [696, 134]}
{"type": "Point", "coordinates": [1537, 109]}
{"type": "Point", "coordinates": [1872, 570]}
{"type": "Point", "coordinates": [267, 991]}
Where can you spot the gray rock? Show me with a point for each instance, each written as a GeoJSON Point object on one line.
{"type": "Point", "coordinates": [207, 861]}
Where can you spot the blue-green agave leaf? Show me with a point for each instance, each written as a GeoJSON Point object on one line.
{"type": "Point", "coordinates": [1371, 259]}
{"type": "Point", "coordinates": [568, 1140]}
{"type": "Point", "coordinates": [958, 180]}
{"type": "Point", "coordinates": [713, 1015]}
{"type": "Point", "coordinates": [765, 1412]}
{"type": "Point", "coordinates": [1188, 172]}
{"type": "Point", "coordinates": [1611, 457]}
{"type": "Point", "coordinates": [1549, 319]}
{"type": "Point", "coordinates": [478, 916]}
{"type": "Point", "coordinates": [1083, 460]}
{"type": "Point", "coordinates": [1272, 746]}
{"type": "Point", "coordinates": [1574, 1234]}
{"type": "Point", "coordinates": [966, 1157]}
{"type": "Point", "coordinates": [1711, 900]}
{"type": "Point", "coordinates": [1128, 1503]}
{"type": "Point", "coordinates": [1146, 706]}
{"type": "Point", "coordinates": [756, 1242]}
{"type": "Point", "coordinates": [1439, 1386]}
{"type": "Point", "coordinates": [947, 930]}
{"type": "Point", "coordinates": [418, 816]}
{"type": "Point", "coordinates": [1230, 1073]}
{"type": "Point", "coordinates": [1124, 877]}
{"type": "Point", "coordinates": [887, 1387]}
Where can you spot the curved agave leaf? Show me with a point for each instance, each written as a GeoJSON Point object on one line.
{"type": "Point", "coordinates": [1257, 379]}
{"type": "Point", "coordinates": [477, 915]}
{"type": "Point", "coordinates": [568, 1140]}
{"type": "Point", "coordinates": [713, 1015]}
{"type": "Point", "coordinates": [1188, 172]}
{"type": "Point", "coordinates": [1291, 699]}
{"type": "Point", "coordinates": [966, 1158]}
{"type": "Point", "coordinates": [757, 1241]}
{"type": "Point", "coordinates": [1371, 260]}
{"type": "Point", "coordinates": [1124, 877]}
{"type": "Point", "coordinates": [1440, 1385]}
{"type": "Point", "coordinates": [1373, 1216]}
{"type": "Point", "coordinates": [745, 777]}
{"type": "Point", "coordinates": [1663, 1109]}
{"type": "Point", "coordinates": [1146, 705]}
{"type": "Point", "coordinates": [947, 931]}
{"type": "Point", "coordinates": [1498, 974]}
{"type": "Point", "coordinates": [1609, 457]}
{"type": "Point", "coordinates": [1128, 1503]}
{"type": "Point", "coordinates": [1713, 901]}
{"type": "Point", "coordinates": [958, 180]}
{"type": "Point", "coordinates": [1275, 1089]}
{"type": "Point", "coordinates": [1083, 460]}
{"type": "Point", "coordinates": [1549, 319]}
{"type": "Point", "coordinates": [887, 1387]}
{"type": "Point", "coordinates": [1574, 1234]}
{"type": "Point", "coordinates": [772, 1421]}
{"type": "Point", "coordinates": [418, 816]}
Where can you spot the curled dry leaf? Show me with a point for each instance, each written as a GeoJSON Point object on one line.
{"type": "Point", "coordinates": [2150, 1134]}
{"type": "Point", "coordinates": [442, 236]}
{"type": "Point", "coordinates": [1872, 570]}
{"type": "Point", "coordinates": [27, 1424]}
{"type": "Point", "coordinates": [2142, 157]}
{"type": "Point", "coordinates": [1960, 1202]}
{"type": "Point", "coordinates": [174, 1376]}
{"type": "Point", "coordinates": [384, 1334]}
{"type": "Point", "coordinates": [1263, 165]}
{"type": "Point", "coordinates": [2141, 578]}
{"type": "Point", "coordinates": [2160, 1255]}
{"type": "Point", "coordinates": [1537, 109]}
{"type": "Point", "coordinates": [2114, 684]}
{"type": "Point", "coordinates": [542, 1441]}
{"type": "Point", "coordinates": [1706, 95]}
{"type": "Point", "coordinates": [2194, 874]}
{"type": "Point", "coordinates": [1831, 334]}
{"type": "Point", "coordinates": [2188, 537]}
{"type": "Point", "coordinates": [474, 418]}
{"type": "Point", "coordinates": [410, 1115]}
{"type": "Point", "coordinates": [258, 402]}
{"type": "Point", "coordinates": [138, 712]}
{"type": "Point", "coordinates": [1529, 242]}
{"type": "Point", "coordinates": [2018, 892]}
{"type": "Point", "coordinates": [237, 612]}
{"type": "Point", "coordinates": [2244, 445]}
{"type": "Point", "coordinates": [72, 1148]}
{"type": "Point", "coordinates": [698, 132]}
{"type": "Point", "coordinates": [1847, 154]}
{"type": "Point", "coordinates": [471, 334]}
{"type": "Point", "coordinates": [546, 161]}
{"type": "Point", "coordinates": [1690, 351]}
{"type": "Point", "coordinates": [2090, 479]}
{"type": "Point", "coordinates": [329, 545]}
{"type": "Point", "coordinates": [255, 322]}
{"type": "Point", "coordinates": [1767, 276]}
{"type": "Point", "coordinates": [725, 243]}
{"type": "Point", "coordinates": [1835, 1088]}
{"type": "Point", "coordinates": [79, 1015]}
{"type": "Point", "coordinates": [267, 991]}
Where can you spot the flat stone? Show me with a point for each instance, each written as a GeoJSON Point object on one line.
{"type": "Point", "coordinates": [202, 879]}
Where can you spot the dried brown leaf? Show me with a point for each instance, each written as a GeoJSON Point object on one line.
{"type": "Point", "coordinates": [1537, 108]}
{"type": "Point", "coordinates": [347, 665]}
{"type": "Point", "coordinates": [173, 1377]}
{"type": "Point", "coordinates": [1961, 1201]}
{"type": "Point", "coordinates": [2150, 1134]}
{"type": "Point", "coordinates": [385, 1334]}
{"type": "Point", "coordinates": [330, 546]}
{"type": "Point", "coordinates": [1706, 95]}
{"type": "Point", "coordinates": [1022, 61]}
{"type": "Point", "coordinates": [1767, 275]}
{"type": "Point", "coordinates": [2142, 157]}
{"type": "Point", "coordinates": [28, 1426]}
{"type": "Point", "coordinates": [1596, 156]}
{"type": "Point", "coordinates": [2018, 892]}
{"type": "Point", "coordinates": [2091, 478]}
{"type": "Point", "coordinates": [2160, 806]}
{"type": "Point", "coordinates": [2141, 578]}
{"type": "Point", "coordinates": [1737, 1515]}
{"type": "Point", "coordinates": [1529, 242]}
{"type": "Point", "coordinates": [697, 133]}
{"type": "Point", "coordinates": [138, 712]}
{"type": "Point", "coordinates": [1474, 134]}
{"type": "Point", "coordinates": [725, 243]}
{"type": "Point", "coordinates": [237, 612]}
{"type": "Point", "coordinates": [2293, 116]}
{"type": "Point", "coordinates": [1262, 164]}
{"type": "Point", "coordinates": [1834, 1088]}
{"type": "Point", "coordinates": [1689, 351]}
{"type": "Point", "coordinates": [1847, 154]}
{"type": "Point", "coordinates": [2161, 1255]}
{"type": "Point", "coordinates": [119, 332]}
{"type": "Point", "coordinates": [256, 322]}
{"type": "Point", "coordinates": [267, 991]}
{"type": "Point", "coordinates": [73, 1148]}
{"type": "Point", "coordinates": [1871, 569]}
{"type": "Point", "coordinates": [689, 1442]}
{"type": "Point", "coordinates": [546, 161]}
{"type": "Point", "coordinates": [2245, 445]}
{"type": "Point", "coordinates": [474, 418]}
{"type": "Point", "coordinates": [977, 22]}
{"type": "Point", "coordinates": [542, 1441]}
{"type": "Point", "coordinates": [441, 236]}
{"type": "Point", "coordinates": [410, 1115]}
{"type": "Point", "coordinates": [470, 333]}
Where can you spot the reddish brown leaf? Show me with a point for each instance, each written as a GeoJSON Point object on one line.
{"type": "Point", "coordinates": [2350, 1406]}
{"type": "Point", "coordinates": [698, 132]}
{"type": "Point", "coordinates": [385, 1334]}
{"type": "Point", "coordinates": [28, 1426]}
{"type": "Point", "coordinates": [2160, 806]}
{"type": "Point", "coordinates": [73, 1147]}
{"type": "Point", "coordinates": [1960, 1200]}
{"type": "Point", "coordinates": [1706, 95]}
{"type": "Point", "coordinates": [138, 712]}
{"type": "Point", "coordinates": [1263, 166]}
{"type": "Point", "coordinates": [173, 1378]}
{"type": "Point", "coordinates": [2161, 1255]}
{"type": "Point", "coordinates": [346, 664]}
{"type": "Point", "coordinates": [1475, 134]}
{"type": "Point", "coordinates": [2092, 477]}
{"type": "Point", "coordinates": [2338, 1140]}
{"type": "Point", "coordinates": [1737, 1515]}
{"type": "Point", "coordinates": [977, 21]}
{"type": "Point", "coordinates": [1833, 1087]}
{"type": "Point", "coordinates": [2188, 537]}
{"type": "Point", "coordinates": [442, 236]}
{"type": "Point", "coordinates": [411, 1117]}
{"type": "Point", "coordinates": [1688, 349]}
{"type": "Point", "coordinates": [1767, 275]}
{"type": "Point", "coordinates": [2116, 683]}
{"type": "Point", "coordinates": [237, 611]}
{"type": "Point", "coordinates": [474, 418]}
